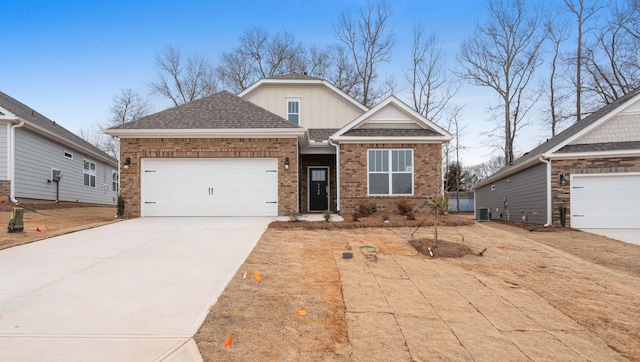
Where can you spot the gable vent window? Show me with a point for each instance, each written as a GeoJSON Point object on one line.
{"type": "Point", "coordinates": [68, 155]}
{"type": "Point", "coordinates": [293, 110]}
{"type": "Point", "coordinates": [89, 173]}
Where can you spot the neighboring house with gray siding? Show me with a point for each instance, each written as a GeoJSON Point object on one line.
{"type": "Point", "coordinates": [592, 168]}
{"type": "Point", "coordinates": [35, 150]}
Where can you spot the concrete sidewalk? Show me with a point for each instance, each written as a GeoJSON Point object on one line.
{"type": "Point", "coordinates": [406, 308]}
{"type": "Point", "coordinates": [132, 291]}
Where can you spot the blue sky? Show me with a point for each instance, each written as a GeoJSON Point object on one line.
{"type": "Point", "coordinates": [67, 59]}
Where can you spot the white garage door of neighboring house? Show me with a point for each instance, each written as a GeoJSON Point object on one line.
{"type": "Point", "coordinates": [605, 201]}
{"type": "Point", "coordinates": [209, 187]}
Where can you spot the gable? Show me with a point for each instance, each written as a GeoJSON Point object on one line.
{"type": "Point", "coordinates": [320, 107]}
{"type": "Point", "coordinates": [623, 127]}
{"type": "Point", "coordinates": [390, 117]}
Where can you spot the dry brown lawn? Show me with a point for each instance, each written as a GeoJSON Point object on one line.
{"type": "Point", "coordinates": [521, 300]}
{"type": "Point", "coordinates": [53, 222]}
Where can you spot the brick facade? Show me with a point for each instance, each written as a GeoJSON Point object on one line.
{"type": "Point", "coordinates": [354, 176]}
{"type": "Point", "coordinates": [280, 148]}
{"type": "Point", "coordinates": [322, 161]}
{"type": "Point", "coordinates": [5, 189]}
{"type": "Point", "coordinates": [561, 194]}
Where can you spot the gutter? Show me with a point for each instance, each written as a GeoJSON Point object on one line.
{"type": "Point", "coordinates": [337, 146]}
{"type": "Point", "coordinates": [12, 161]}
{"type": "Point", "coordinates": [549, 209]}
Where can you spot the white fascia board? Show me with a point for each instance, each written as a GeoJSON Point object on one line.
{"type": "Point", "coordinates": [361, 139]}
{"type": "Point", "coordinates": [333, 88]}
{"type": "Point", "coordinates": [207, 133]}
{"type": "Point", "coordinates": [595, 124]}
{"type": "Point", "coordinates": [7, 115]}
{"type": "Point", "coordinates": [46, 133]}
{"type": "Point", "coordinates": [600, 154]}
{"type": "Point", "coordinates": [497, 176]}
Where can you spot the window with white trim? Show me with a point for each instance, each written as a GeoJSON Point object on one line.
{"type": "Point", "coordinates": [68, 155]}
{"type": "Point", "coordinates": [293, 110]}
{"type": "Point", "coordinates": [115, 181]}
{"type": "Point", "coordinates": [89, 173]}
{"type": "Point", "coordinates": [390, 172]}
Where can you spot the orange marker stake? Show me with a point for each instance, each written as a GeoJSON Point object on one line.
{"type": "Point", "coordinates": [228, 342]}
{"type": "Point", "coordinates": [258, 276]}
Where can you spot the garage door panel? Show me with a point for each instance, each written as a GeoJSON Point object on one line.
{"type": "Point", "coordinates": [605, 201]}
{"type": "Point", "coordinates": [209, 187]}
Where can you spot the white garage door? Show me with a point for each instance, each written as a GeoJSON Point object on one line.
{"type": "Point", "coordinates": [605, 201]}
{"type": "Point", "coordinates": [209, 187]}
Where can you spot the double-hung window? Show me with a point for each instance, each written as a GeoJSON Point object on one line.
{"type": "Point", "coordinates": [293, 110]}
{"type": "Point", "coordinates": [390, 172]}
{"type": "Point", "coordinates": [115, 181]}
{"type": "Point", "coordinates": [89, 173]}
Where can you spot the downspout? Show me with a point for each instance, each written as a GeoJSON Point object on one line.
{"type": "Point", "coordinates": [549, 209]}
{"type": "Point", "coordinates": [337, 146]}
{"type": "Point", "coordinates": [12, 161]}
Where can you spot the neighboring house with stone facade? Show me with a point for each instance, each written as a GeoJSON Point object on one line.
{"type": "Point", "coordinates": [592, 167]}
{"type": "Point", "coordinates": [41, 160]}
{"type": "Point", "coordinates": [289, 143]}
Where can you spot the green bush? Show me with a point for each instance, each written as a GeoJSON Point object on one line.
{"type": "Point", "coordinates": [120, 211]}
{"type": "Point", "coordinates": [327, 216]}
{"type": "Point", "coordinates": [373, 208]}
{"type": "Point", "coordinates": [563, 215]}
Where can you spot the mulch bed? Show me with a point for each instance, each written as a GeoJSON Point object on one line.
{"type": "Point", "coordinates": [377, 220]}
{"type": "Point", "coordinates": [445, 249]}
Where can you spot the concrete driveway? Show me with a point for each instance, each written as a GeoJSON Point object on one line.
{"type": "Point", "coordinates": [631, 236]}
{"type": "Point", "coordinates": [136, 290]}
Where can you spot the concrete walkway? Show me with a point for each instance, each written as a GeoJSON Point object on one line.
{"type": "Point", "coordinates": [132, 291]}
{"type": "Point", "coordinates": [406, 308]}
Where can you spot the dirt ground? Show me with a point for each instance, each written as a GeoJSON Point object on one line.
{"type": "Point", "coordinates": [53, 222]}
{"type": "Point", "coordinates": [522, 300]}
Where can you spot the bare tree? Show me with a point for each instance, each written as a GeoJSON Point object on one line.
{"type": "Point", "coordinates": [367, 37]}
{"type": "Point", "coordinates": [583, 13]}
{"type": "Point", "coordinates": [612, 61]}
{"type": "Point", "coordinates": [504, 55]}
{"type": "Point", "coordinates": [343, 73]}
{"type": "Point", "coordinates": [554, 115]}
{"type": "Point", "coordinates": [431, 87]}
{"type": "Point", "coordinates": [236, 70]}
{"type": "Point", "coordinates": [483, 170]}
{"type": "Point", "coordinates": [181, 81]}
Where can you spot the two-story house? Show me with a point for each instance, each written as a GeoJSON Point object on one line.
{"type": "Point", "coordinates": [287, 143]}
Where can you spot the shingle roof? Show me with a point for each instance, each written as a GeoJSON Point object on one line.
{"type": "Point", "coordinates": [599, 147]}
{"type": "Point", "coordinates": [321, 134]}
{"type": "Point", "coordinates": [30, 116]}
{"type": "Point", "coordinates": [295, 76]}
{"type": "Point", "coordinates": [222, 110]}
{"type": "Point", "coordinates": [567, 133]}
{"type": "Point", "coordinates": [390, 132]}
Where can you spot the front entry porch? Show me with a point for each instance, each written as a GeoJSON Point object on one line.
{"type": "Point", "coordinates": [318, 183]}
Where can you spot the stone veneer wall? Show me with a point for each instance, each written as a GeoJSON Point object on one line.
{"type": "Point", "coordinates": [137, 148]}
{"type": "Point", "coordinates": [427, 181]}
{"type": "Point", "coordinates": [562, 194]}
{"type": "Point", "coordinates": [5, 189]}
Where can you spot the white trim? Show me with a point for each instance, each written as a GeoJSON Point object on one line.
{"type": "Point", "coordinates": [549, 190]}
{"type": "Point", "coordinates": [207, 133]}
{"type": "Point", "coordinates": [390, 172]}
{"type": "Point", "coordinates": [594, 154]}
{"type": "Point", "coordinates": [94, 174]}
{"type": "Point", "coordinates": [7, 115]}
{"type": "Point", "coordinates": [595, 124]}
{"type": "Point", "coordinates": [333, 88]}
{"type": "Point", "coordinates": [361, 139]}
{"type": "Point", "coordinates": [309, 187]}
{"type": "Point", "coordinates": [64, 154]}
{"type": "Point", "coordinates": [293, 100]}
{"type": "Point", "coordinates": [419, 119]}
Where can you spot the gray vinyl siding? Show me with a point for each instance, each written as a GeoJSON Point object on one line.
{"type": "Point", "coordinates": [525, 191]}
{"type": "Point", "coordinates": [4, 151]}
{"type": "Point", "coordinates": [36, 156]}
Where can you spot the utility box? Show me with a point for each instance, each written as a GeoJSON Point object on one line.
{"type": "Point", "coordinates": [15, 224]}
{"type": "Point", "coordinates": [483, 214]}
{"type": "Point", "coordinates": [56, 176]}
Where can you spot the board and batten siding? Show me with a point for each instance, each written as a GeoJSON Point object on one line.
{"type": "Point", "coordinates": [4, 151]}
{"type": "Point", "coordinates": [36, 156]}
{"type": "Point", "coordinates": [319, 107]}
{"type": "Point", "coordinates": [524, 191]}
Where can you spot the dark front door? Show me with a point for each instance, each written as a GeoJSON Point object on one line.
{"type": "Point", "coordinates": [318, 189]}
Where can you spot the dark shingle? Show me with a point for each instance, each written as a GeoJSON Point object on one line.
{"type": "Point", "coordinates": [31, 116]}
{"type": "Point", "coordinates": [321, 134]}
{"type": "Point", "coordinates": [599, 147]}
{"type": "Point", "coordinates": [222, 110]}
{"type": "Point", "coordinates": [391, 132]}
{"type": "Point", "coordinates": [294, 76]}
